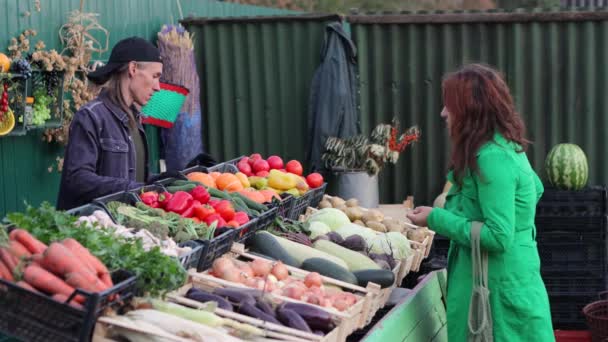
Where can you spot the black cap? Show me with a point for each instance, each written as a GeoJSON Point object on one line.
{"type": "Point", "coordinates": [125, 51]}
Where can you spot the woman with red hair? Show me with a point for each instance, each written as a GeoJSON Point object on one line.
{"type": "Point", "coordinates": [489, 215]}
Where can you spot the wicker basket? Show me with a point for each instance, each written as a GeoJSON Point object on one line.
{"type": "Point", "coordinates": [596, 314]}
{"type": "Point", "coordinates": [164, 106]}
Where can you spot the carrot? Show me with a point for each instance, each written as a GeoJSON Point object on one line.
{"type": "Point", "coordinates": [9, 259]}
{"type": "Point", "coordinates": [27, 286]}
{"type": "Point", "coordinates": [83, 254]}
{"type": "Point", "coordinates": [5, 273]}
{"type": "Point", "coordinates": [26, 239]}
{"type": "Point", "coordinates": [79, 281]}
{"type": "Point", "coordinates": [63, 299]}
{"type": "Point", "coordinates": [59, 260]}
{"type": "Point", "coordinates": [84, 259]}
{"type": "Point", "coordinates": [18, 250]}
{"type": "Point", "coordinates": [46, 281]}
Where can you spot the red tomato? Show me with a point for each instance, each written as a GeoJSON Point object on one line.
{"type": "Point", "coordinates": [314, 180]}
{"type": "Point", "coordinates": [275, 162]}
{"type": "Point", "coordinates": [294, 166]}
{"type": "Point", "coordinates": [261, 165]}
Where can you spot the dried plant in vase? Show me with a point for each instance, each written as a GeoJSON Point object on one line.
{"type": "Point", "coordinates": [370, 154]}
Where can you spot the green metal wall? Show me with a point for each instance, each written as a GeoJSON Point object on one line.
{"type": "Point", "coordinates": [24, 160]}
{"type": "Point", "coordinates": [555, 64]}
{"type": "Point", "coordinates": [255, 89]}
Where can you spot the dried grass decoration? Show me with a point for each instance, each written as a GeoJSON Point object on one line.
{"type": "Point", "coordinates": [176, 47]}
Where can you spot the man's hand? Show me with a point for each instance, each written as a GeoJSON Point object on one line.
{"type": "Point", "coordinates": [169, 174]}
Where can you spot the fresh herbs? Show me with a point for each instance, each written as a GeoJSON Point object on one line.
{"type": "Point", "coordinates": [157, 272]}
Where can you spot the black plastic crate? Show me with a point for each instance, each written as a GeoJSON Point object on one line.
{"type": "Point", "coordinates": [192, 258]}
{"type": "Point", "coordinates": [590, 227]}
{"type": "Point", "coordinates": [88, 210]}
{"type": "Point", "coordinates": [284, 206]}
{"type": "Point", "coordinates": [441, 245]}
{"type": "Point", "coordinates": [215, 248]}
{"type": "Point", "coordinates": [227, 166]}
{"type": "Point", "coordinates": [124, 197]}
{"type": "Point", "coordinates": [567, 311]}
{"type": "Point", "coordinates": [259, 223]}
{"type": "Point", "coordinates": [30, 316]}
{"type": "Point", "coordinates": [299, 206]}
{"type": "Point", "coordinates": [159, 188]}
{"type": "Point", "coordinates": [316, 195]}
{"type": "Point", "coordinates": [197, 168]}
{"type": "Point", "coordinates": [574, 283]}
{"type": "Point", "coordinates": [573, 257]}
{"type": "Point", "coordinates": [591, 201]}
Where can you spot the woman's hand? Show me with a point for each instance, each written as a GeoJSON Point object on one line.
{"type": "Point", "coordinates": [419, 216]}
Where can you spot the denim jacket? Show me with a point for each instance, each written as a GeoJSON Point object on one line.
{"type": "Point", "coordinates": [100, 155]}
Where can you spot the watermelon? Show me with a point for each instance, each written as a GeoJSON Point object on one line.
{"type": "Point", "coordinates": [566, 167]}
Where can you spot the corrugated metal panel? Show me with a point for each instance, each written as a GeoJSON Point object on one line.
{"type": "Point", "coordinates": [257, 75]}
{"type": "Point", "coordinates": [24, 160]}
{"type": "Point", "coordinates": [554, 63]}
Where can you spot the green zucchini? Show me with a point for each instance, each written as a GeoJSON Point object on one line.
{"type": "Point", "coordinates": [179, 182]}
{"type": "Point", "coordinates": [187, 188]}
{"type": "Point", "coordinates": [219, 194]}
{"type": "Point", "coordinates": [355, 260]}
{"type": "Point", "coordinates": [302, 252]}
{"type": "Point", "coordinates": [329, 269]}
{"type": "Point", "coordinates": [384, 278]}
{"type": "Point", "coordinates": [251, 204]}
{"type": "Point", "coordinates": [267, 244]}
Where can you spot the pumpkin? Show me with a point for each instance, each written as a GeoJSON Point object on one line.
{"type": "Point", "coordinates": [253, 195]}
{"type": "Point", "coordinates": [203, 178]}
{"type": "Point", "coordinates": [228, 182]}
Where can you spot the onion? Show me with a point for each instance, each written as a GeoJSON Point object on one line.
{"type": "Point", "coordinates": [313, 279]}
{"type": "Point", "coordinates": [220, 265]}
{"type": "Point", "coordinates": [280, 271]}
{"type": "Point", "coordinates": [260, 267]}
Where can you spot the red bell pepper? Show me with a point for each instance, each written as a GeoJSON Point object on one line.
{"type": "Point", "coordinates": [213, 202]}
{"type": "Point", "coordinates": [203, 211]}
{"type": "Point", "coordinates": [225, 209]}
{"type": "Point", "coordinates": [189, 212]}
{"type": "Point", "coordinates": [149, 197]}
{"type": "Point", "coordinates": [180, 201]}
{"type": "Point", "coordinates": [215, 217]}
{"type": "Point", "coordinates": [164, 198]}
{"type": "Point", "coordinates": [241, 217]}
{"type": "Point", "coordinates": [201, 194]}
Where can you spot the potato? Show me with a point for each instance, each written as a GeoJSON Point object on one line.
{"type": "Point", "coordinates": [337, 201]}
{"type": "Point", "coordinates": [342, 207]}
{"type": "Point", "coordinates": [372, 215]}
{"type": "Point", "coordinates": [391, 227]}
{"type": "Point", "coordinates": [417, 235]}
{"type": "Point", "coordinates": [354, 214]}
{"type": "Point", "coordinates": [359, 222]}
{"type": "Point", "coordinates": [377, 226]}
{"type": "Point", "coordinates": [353, 202]}
{"type": "Point", "coordinates": [325, 204]}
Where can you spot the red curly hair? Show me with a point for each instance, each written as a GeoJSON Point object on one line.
{"type": "Point", "coordinates": [480, 104]}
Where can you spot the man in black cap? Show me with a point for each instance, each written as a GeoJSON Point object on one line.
{"type": "Point", "coordinates": [107, 150]}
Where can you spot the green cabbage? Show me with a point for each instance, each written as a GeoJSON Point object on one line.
{"type": "Point", "coordinates": [354, 229]}
{"type": "Point", "coordinates": [333, 218]}
{"type": "Point", "coordinates": [394, 243]}
{"type": "Point", "coordinates": [318, 228]}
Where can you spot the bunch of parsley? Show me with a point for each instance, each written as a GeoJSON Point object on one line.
{"type": "Point", "coordinates": [156, 272]}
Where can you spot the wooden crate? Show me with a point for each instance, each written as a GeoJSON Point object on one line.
{"type": "Point", "coordinates": [348, 321]}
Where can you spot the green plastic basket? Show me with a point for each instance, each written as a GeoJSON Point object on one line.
{"type": "Point", "coordinates": [165, 105]}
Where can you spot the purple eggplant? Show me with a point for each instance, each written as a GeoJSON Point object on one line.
{"type": "Point", "coordinates": [250, 310]}
{"type": "Point", "coordinates": [291, 319]}
{"type": "Point", "coordinates": [235, 296]}
{"type": "Point", "coordinates": [264, 306]}
{"type": "Point", "coordinates": [203, 296]}
{"type": "Point", "coordinates": [316, 319]}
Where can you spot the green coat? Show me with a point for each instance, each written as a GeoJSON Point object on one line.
{"type": "Point", "coordinates": [504, 198]}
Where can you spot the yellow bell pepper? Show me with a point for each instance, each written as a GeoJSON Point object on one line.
{"type": "Point", "coordinates": [281, 180]}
